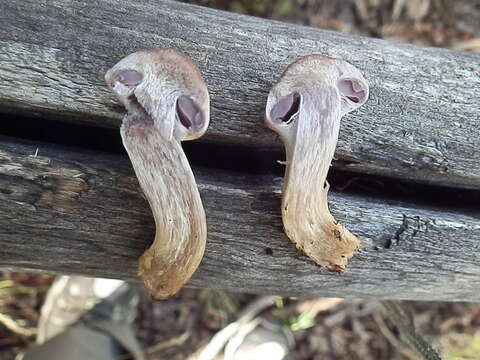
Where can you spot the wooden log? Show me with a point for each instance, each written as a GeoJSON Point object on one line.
{"type": "Point", "coordinates": [421, 122]}
{"type": "Point", "coordinates": [70, 211]}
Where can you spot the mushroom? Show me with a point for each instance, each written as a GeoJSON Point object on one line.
{"type": "Point", "coordinates": [167, 102]}
{"type": "Point", "coordinates": [305, 108]}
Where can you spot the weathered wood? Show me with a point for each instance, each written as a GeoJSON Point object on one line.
{"type": "Point", "coordinates": [421, 122]}
{"type": "Point", "coordinates": [69, 211]}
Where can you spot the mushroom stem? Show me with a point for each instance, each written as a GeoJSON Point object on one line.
{"type": "Point", "coordinates": [179, 243]}
{"type": "Point", "coordinates": [306, 217]}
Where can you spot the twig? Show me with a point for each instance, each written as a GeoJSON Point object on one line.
{"type": "Point", "coordinates": [12, 325]}
{"type": "Point", "coordinates": [318, 305]}
{"type": "Point", "coordinates": [398, 6]}
{"type": "Point", "coordinates": [175, 341]}
{"type": "Point", "coordinates": [392, 339]}
{"type": "Point", "coordinates": [401, 318]}
{"type": "Point", "coordinates": [362, 9]}
{"type": "Point", "coordinates": [6, 284]}
{"type": "Point", "coordinates": [23, 290]}
{"type": "Point", "coordinates": [26, 310]}
{"type": "Point", "coordinates": [468, 45]}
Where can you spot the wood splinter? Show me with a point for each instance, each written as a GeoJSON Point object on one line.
{"type": "Point", "coordinates": [167, 102]}
{"type": "Point", "coordinates": [305, 108]}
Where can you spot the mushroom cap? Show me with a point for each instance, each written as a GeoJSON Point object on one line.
{"type": "Point", "coordinates": [180, 107]}
{"type": "Point", "coordinates": [317, 71]}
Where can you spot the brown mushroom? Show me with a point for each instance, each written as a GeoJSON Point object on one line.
{"type": "Point", "coordinates": [305, 108]}
{"type": "Point", "coordinates": [167, 102]}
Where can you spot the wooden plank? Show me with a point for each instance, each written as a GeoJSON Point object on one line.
{"type": "Point", "coordinates": [421, 122]}
{"type": "Point", "coordinates": [69, 211]}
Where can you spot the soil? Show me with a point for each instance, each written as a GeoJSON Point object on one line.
{"type": "Point", "coordinates": [322, 328]}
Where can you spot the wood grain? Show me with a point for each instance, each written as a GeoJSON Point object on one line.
{"type": "Point", "coordinates": [421, 122]}
{"type": "Point", "coordinates": [71, 211]}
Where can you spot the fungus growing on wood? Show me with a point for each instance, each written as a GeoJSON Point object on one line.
{"type": "Point", "coordinates": [305, 108]}
{"type": "Point", "coordinates": [167, 102]}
